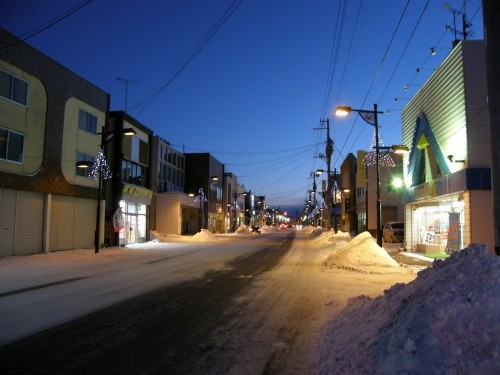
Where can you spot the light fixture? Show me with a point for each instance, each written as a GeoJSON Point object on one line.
{"type": "Point", "coordinates": [451, 158]}
{"type": "Point", "coordinates": [400, 149]}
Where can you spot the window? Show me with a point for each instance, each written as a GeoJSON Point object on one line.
{"type": "Point", "coordinates": [11, 145]}
{"type": "Point", "coordinates": [13, 88]}
{"type": "Point", "coordinates": [87, 122]}
{"type": "Point", "coordinates": [84, 172]}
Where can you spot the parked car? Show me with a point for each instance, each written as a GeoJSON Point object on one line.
{"type": "Point", "coordinates": [393, 231]}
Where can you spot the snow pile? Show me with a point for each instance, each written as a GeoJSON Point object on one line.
{"type": "Point", "coordinates": [204, 235]}
{"type": "Point", "coordinates": [314, 232]}
{"type": "Point", "coordinates": [362, 254]}
{"type": "Point", "coordinates": [447, 321]}
{"type": "Point", "coordinates": [243, 229]}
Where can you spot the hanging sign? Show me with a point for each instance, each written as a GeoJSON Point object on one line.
{"type": "Point", "coordinates": [118, 222]}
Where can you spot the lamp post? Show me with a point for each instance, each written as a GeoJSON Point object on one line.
{"type": "Point", "coordinates": [101, 171]}
{"type": "Point", "coordinates": [212, 180]}
{"type": "Point", "coordinates": [371, 118]}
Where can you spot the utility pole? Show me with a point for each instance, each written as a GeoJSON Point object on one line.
{"type": "Point", "coordinates": [328, 159]}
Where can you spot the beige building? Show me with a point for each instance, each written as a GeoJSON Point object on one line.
{"type": "Point", "coordinates": [49, 120]}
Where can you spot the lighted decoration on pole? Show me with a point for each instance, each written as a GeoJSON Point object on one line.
{"type": "Point", "coordinates": [202, 198]}
{"type": "Point", "coordinates": [371, 156]}
{"type": "Point", "coordinates": [100, 169]}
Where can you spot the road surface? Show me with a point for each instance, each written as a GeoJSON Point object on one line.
{"type": "Point", "coordinates": [244, 305]}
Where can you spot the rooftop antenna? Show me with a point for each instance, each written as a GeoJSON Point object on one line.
{"type": "Point", "coordinates": [126, 81]}
{"type": "Point", "coordinates": [465, 24]}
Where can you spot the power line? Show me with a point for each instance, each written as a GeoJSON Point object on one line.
{"type": "Point", "coordinates": [48, 24]}
{"type": "Point", "coordinates": [202, 42]}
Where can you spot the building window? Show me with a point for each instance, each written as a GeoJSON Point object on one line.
{"type": "Point", "coordinates": [84, 172]}
{"type": "Point", "coordinates": [11, 145]}
{"type": "Point", "coordinates": [133, 173]}
{"type": "Point", "coordinates": [87, 122]}
{"type": "Point", "coordinates": [13, 88]}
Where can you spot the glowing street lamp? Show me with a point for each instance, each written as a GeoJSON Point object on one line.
{"type": "Point", "coordinates": [370, 117]}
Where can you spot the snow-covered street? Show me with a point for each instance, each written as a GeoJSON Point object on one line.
{"type": "Point", "coordinates": [253, 304]}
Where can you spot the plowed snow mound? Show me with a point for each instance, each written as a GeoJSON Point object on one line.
{"type": "Point", "coordinates": [362, 254]}
{"type": "Point", "coordinates": [446, 321]}
{"type": "Point", "coordinates": [244, 229]}
{"type": "Point", "coordinates": [204, 235]}
{"type": "Point", "coordinates": [316, 232]}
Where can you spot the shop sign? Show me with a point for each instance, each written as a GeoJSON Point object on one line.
{"type": "Point", "coordinates": [137, 191]}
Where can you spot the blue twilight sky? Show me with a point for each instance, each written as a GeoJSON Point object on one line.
{"type": "Point", "coordinates": [249, 80]}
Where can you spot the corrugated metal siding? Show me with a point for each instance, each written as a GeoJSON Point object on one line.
{"type": "Point", "coordinates": [85, 218]}
{"type": "Point", "coordinates": [21, 222]}
{"type": "Point", "coordinates": [7, 221]}
{"type": "Point", "coordinates": [442, 100]}
{"type": "Point", "coordinates": [62, 223]}
{"type": "Point", "coordinates": [29, 223]}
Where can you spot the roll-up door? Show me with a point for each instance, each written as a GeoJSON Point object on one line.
{"type": "Point", "coordinates": [29, 223]}
{"type": "Point", "coordinates": [62, 223]}
{"type": "Point", "coordinates": [85, 223]}
{"type": "Point", "coordinates": [7, 221]}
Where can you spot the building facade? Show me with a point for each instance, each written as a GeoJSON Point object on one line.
{"type": "Point", "coordinates": [448, 201]}
{"type": "Point", "coordinates": [204, 180]}
{"type": "Point", "coordinates": [130, 185]}
{"type": "Point", "coordinates": [49, 120]}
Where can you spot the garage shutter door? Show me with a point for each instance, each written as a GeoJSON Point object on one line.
{"type": "Point", "coordinates": [62, 223]}
{"type": "Point", "coordinates": [7, 220]}
{"type": "Point", "coordinates": [85, 223]}
{"type": "Point", "coordinates": [29, 223]}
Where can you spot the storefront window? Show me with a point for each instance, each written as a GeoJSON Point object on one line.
{"type": "Point", "coordinates": [441, 224]}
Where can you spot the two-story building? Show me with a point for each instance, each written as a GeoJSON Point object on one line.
{"type": "Point", "coordinates": [49, 119]}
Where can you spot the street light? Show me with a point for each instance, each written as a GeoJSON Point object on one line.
{"type": "Point", "coordinates": [370, 117]}
{"type": "Point", "coordinates": [101, 170]}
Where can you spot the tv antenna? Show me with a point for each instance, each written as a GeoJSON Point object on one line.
{"type": "Point", "coordinates": [126, 82]}
{"type": "Point", "coordinates": [465, 24]}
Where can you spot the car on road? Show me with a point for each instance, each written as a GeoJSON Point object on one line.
{"type": "Point", "coordinates": [393, 231]}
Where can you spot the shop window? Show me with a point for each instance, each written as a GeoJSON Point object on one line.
{"type": "Point", "coordinates": [11, 145]}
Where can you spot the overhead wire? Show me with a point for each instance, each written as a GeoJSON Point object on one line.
{"type": "Point", "coordinates": [379, 67]}
{"type": "Point", "coordinates": [47, 25]}
{"type": "Point", "coordinates": [188, 58]}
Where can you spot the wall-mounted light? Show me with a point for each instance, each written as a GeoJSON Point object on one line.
{"type": "Point", "coordinates": [451, 158]}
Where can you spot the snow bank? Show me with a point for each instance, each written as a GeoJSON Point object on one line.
{"type": "Point", "coordinates": [362, 254]}
{"type": "Point", "coordinates": [204, 235]}
{"type": "Point", "coordinates": [243, 229]}
{"type": "Point", "coordinates": [447, 321]}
